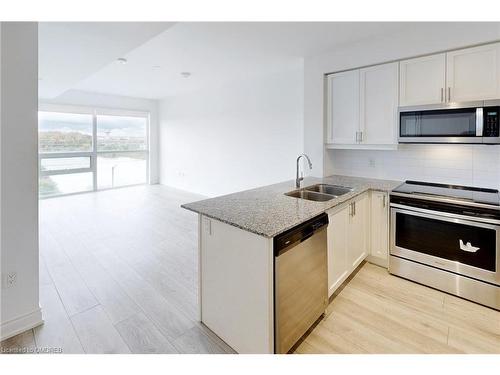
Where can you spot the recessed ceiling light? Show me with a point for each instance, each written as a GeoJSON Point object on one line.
{"type": "Point", "coordinates": [156, 66]}
{"type": "Point", "coordinates": [186, 74]}
{"type": "Point", "coordinates": [122, 60]}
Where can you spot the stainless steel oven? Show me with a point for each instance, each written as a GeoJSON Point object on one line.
{"type": "Point", "coordinates": [472, 122]}
{"type": "Point", "coordinates": [451, 242]}
{"type": "Point", "coordinates": [447, 243]}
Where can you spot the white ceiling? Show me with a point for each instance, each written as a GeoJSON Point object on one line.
{"type": "Point", "coordinates": [69, 52]}
{"type": "Point", "coordinates": [82, 56]}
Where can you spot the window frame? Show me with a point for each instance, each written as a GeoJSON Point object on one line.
{"type": "Point", "coordinates": [93, 154]}
{"type": "Point", "coordinates": [64, 155]}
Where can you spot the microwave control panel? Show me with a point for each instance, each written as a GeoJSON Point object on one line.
{"type": "Point", "coordinates": [491, 122]}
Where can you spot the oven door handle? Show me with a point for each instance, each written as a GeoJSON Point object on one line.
{"type": "Point", "coordinates": [447, 216]}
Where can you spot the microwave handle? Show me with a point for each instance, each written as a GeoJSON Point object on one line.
{"type": "Point", "coordinates": [479, 122]}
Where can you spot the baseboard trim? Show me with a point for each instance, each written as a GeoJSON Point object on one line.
{"type": "Point", "coordinates": [20, 324]}
{"type": "Point", "coordinates": [378, 261]}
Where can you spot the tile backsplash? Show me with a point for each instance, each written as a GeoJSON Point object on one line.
{"type": "Point", "coordinates": [473, 165]}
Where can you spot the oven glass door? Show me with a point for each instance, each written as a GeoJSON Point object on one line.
{"type": "Point", "coordinates": [438, 123]}
{"type": "Point", "coordinates": [461, 246]}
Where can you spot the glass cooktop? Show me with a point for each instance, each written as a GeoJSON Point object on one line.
{"type": "Point", "coordinates": [455, 192]}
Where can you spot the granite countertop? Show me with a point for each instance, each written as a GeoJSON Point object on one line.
{"type": "Point", "coordinates": [266, 211]}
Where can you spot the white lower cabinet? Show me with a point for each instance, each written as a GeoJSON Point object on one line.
{"type": "Point", "coordinates": [379, 228]}
{"type": "Point", "coordinates": [348, 234]}
{"type": "Point", "coordinates": [358, 231]}
{"type": "Point", "coordinates": [337, 248]}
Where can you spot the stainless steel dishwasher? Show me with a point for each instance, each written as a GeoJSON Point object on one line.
{"type": "Point", "coordinates": [300, 281]}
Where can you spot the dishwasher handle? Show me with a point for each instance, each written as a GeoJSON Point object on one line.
{"type": "Point", "coordinates": [292, 237]}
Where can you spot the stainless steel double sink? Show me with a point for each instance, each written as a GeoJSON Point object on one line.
{"type": "Point", "coordinates": [319, 192]}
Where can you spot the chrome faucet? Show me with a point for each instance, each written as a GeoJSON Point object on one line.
{"type": "Point", "coordinates": [298, 179]}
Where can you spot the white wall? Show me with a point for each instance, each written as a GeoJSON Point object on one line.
{"type": "Point", "coordinates": [19, 308]}
{"type": "Point", "coordinates": [239, 136]}
{"type": "Point", "coordinates": [433, 37]}
{"type": "Point", "coordinates": [89, 99]}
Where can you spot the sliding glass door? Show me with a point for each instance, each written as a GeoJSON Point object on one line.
{"type": "Point", "coordinates": [122, 151]}
{"type": "Point", "coordinates": [81, 152]}
{"type": "Point", "coordinates": [65, 146]}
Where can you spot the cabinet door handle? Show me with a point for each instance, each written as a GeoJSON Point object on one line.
{"type": "Point", "coordinates": [449, 94]}
{"type": "Point", "coordinates": [354, 208]}
{"type": "Point", "coordinates": [383, 201]}
{"type": "Point", "coordinates": [442, 94]}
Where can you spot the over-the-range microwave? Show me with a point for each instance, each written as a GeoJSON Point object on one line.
{"type": "Point", "coordinates": [472, 122]}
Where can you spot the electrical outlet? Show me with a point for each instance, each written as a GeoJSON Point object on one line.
{"type": "Point", "coordinates": [9, 280]}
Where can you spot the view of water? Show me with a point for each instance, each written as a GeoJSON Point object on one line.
{"type": "Point", "coordinates": [125, 137]}
{"type": "Point", "coordinates": [111, 172]}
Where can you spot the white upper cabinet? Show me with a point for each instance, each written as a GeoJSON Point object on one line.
{"type": "Point", "coordinates": [422, 80]}
{"type": "Point", "coordinates": [362, 104]}
{"type": "Point", "coordinates": [457, 76]}
{"type": "Point", "coordinates": [473, 73]}
{"type": "Point", "coordinates": [362, 107]}
{"type": "Point", "coordinates": [343, 107]}
{"type": "Point", "coordinates": [378, 104]}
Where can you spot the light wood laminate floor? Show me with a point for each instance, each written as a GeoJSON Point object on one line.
{"type": "Point", "coordinates": [379, 313]}
{"type": "Point", "coordinates": [118, 274]}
